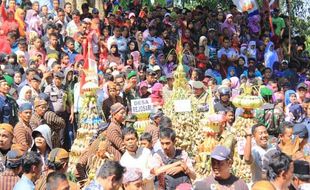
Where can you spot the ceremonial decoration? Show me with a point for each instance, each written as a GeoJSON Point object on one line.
{"type": "Point", "coordinates": [248, 102]}
{"type": "Point", "coordinates": [89, 120]}
{"type": "Point", "coordinates": [186, 124]}
{"type": "Point", "coordinates": [211, 127]}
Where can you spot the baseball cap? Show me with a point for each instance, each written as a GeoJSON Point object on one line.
{"type": "Point", "coordinates": [14, 158]}
{"type": "Point", "coordinates": [302, 85]}
{"type": "Point", "coordinates": [150, 72]}
{"type": "Point", "coordinates": [198, 84]}
{"type": "Point", "coordinates": [209, 73]}
{"type": "Point", "coordinates": [36, 77]}
{"type": "Point", "coordinates": [220, 153]}
{"type": "Point", "coordinates": [156, 68]}
{"type": "Point", "coordinates": [211, 29]}
{"type": "Point", "coordinates": [300, 130]}
{"type": "Point", "coordinates": [95, 11]}
{"type": "Point", "coordinates": [59, 75]}
{"type": "Point", "coordinates": [57, 154]}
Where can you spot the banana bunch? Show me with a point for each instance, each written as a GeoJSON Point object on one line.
{"type": "Point", "coordinates": [240, 168]}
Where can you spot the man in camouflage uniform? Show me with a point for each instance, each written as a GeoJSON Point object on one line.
{"type": "Point", "coordinates": [270, 114]}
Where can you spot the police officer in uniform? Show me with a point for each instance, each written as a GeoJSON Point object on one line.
{"type": "Point", "coordinates": [60, 103]}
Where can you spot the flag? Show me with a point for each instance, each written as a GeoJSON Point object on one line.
{"type": "Point", "coordinates": [249, 6]}
{"type": "Point", "coordinates": [90, 70]}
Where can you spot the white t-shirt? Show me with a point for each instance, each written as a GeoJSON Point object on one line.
{"type": "Point", "coordinates": [141, 160]}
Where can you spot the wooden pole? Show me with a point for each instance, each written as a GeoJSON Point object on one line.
{"type": "Point", "coordinates": [288, 4]}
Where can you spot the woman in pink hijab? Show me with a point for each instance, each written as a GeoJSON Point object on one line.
{"type": "Point", "coordinates": [136, 58]}
{"type": "Point", "coordinates": [234, 85]}
{"type": "Point", "coordinates": [157, 95]}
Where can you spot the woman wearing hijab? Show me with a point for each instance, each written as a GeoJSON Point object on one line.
{"type": "Point", "coordinates": [33, 22]}
{"type": "Point", "coordinates": [145, 52]}
{"type": "Point", "coordinates": [139, 39]}
{"type": "Point", "coordinates": [25, 95]}
{"type": "Point", "coordinates": [157, 95]}
{"type": "Point", "coordinates": [136, 58]}
{"type": "Point", "coordinates": [8, 21]}
{"type": "Point", "coordinates": [234, 85]}
{"type": "Point", "coordinates": [19, 17]}
{"type": "Point", "coordinates": [143, 90]}
{"type": "Point", "coordinates": [231, 72]}
{"type": "Point", "coordinates": [203, 41]}
{"type": "Point", "coordinates": [243, 53]}
{"type": "Point", "coordinates": [254, 24]}
{"type": "Point", "coordinates": [260, 51]}
{"type": "Point", "coordinates": [21, 59]}
{"type": "Point", "coordinates": [270, 55]}
{"type": "Point", "coordinates": [114, 56]}
{"type": "Point", "coordinates": [252, 49]}
{"type": "Point", "coordinates": [228, 23]}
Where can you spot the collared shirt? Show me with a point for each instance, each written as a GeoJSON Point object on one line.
{"type": "Point", "coordinates": [229, 52]}
{"type": "Point", "coordinates": [24, 184]}
{"type": "Point", "coordinates": [141, 160]}
{"type": "Point", "coordinates": [58, 97]}
{"type": "Point", "coordinates": [8, 179]}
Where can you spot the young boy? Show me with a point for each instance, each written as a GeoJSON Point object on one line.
{"type": "Point", "coordinates": [146, 141]}
{"type": "Point", "coordinates": [70, 49]}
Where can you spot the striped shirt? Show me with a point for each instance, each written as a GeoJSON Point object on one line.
{"type": "Point", "coordinates": [8, 179]}
{"type": "Point", "coordinates": [53, 121]}
{"type": "Point", "coordinates": [22, 135]}
{"type": "Point", "coordinates": [81, 166]}
{"type": "Point", "coordinates": [114, 136]}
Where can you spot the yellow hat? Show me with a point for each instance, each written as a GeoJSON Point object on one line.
{"type": "Point", "coordinates": [57, 154]}
{"type": "Point", "coordinates": [7, 127]}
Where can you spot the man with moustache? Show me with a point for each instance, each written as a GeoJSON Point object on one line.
{"type": "Point", "coordinates": [221, 178]}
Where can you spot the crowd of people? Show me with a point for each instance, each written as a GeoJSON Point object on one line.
{"type": "Point", "coordinates": [44, 50]}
